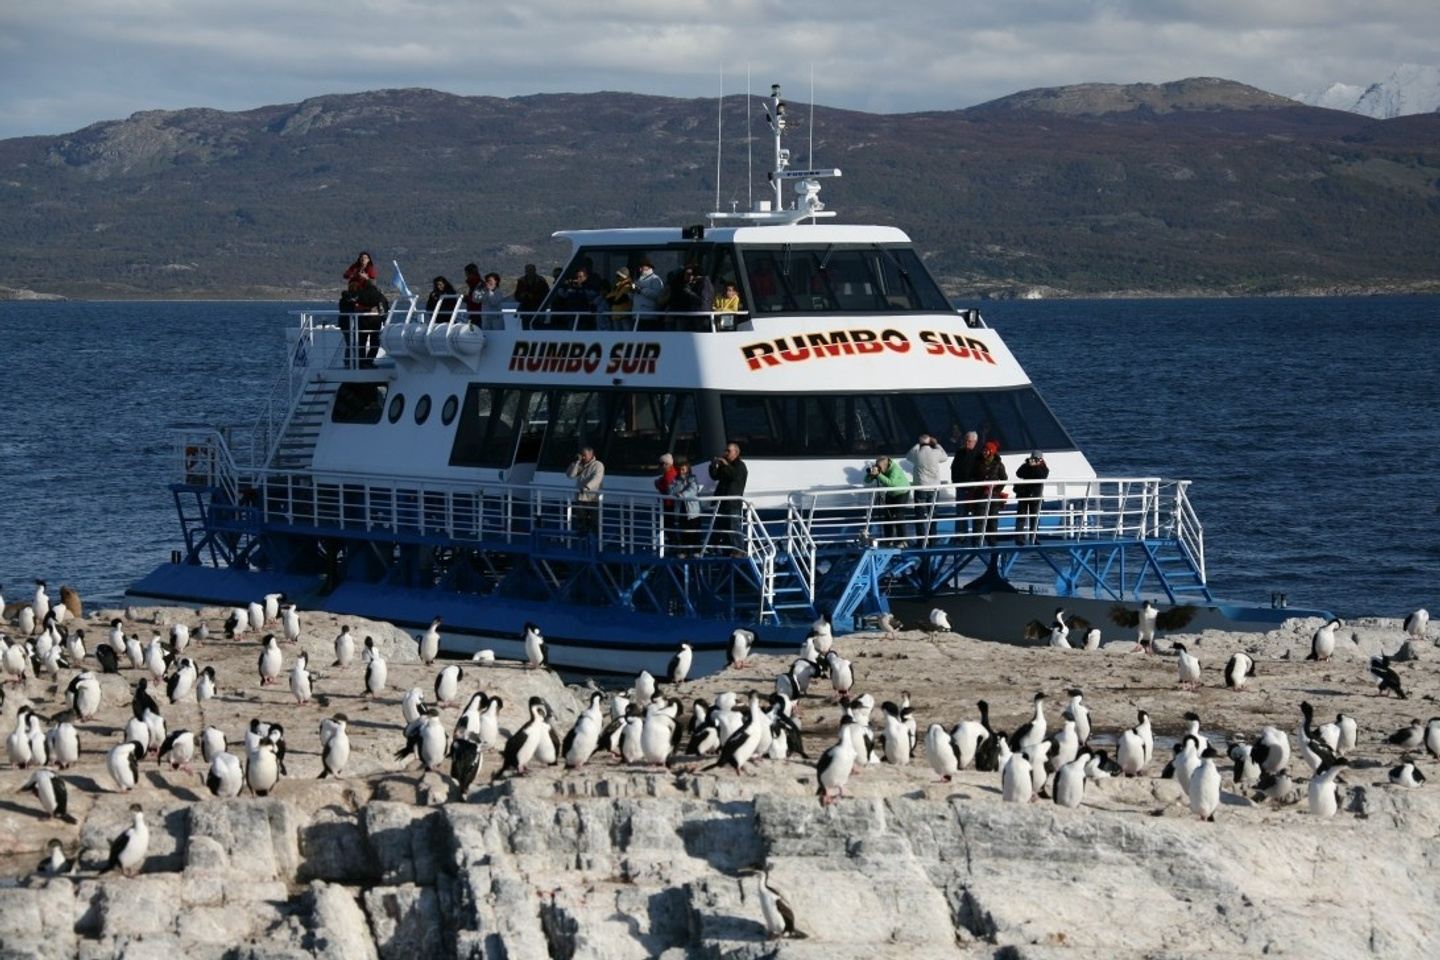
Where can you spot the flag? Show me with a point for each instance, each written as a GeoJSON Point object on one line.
{"type": "Point", "coordinates": [398, 281]}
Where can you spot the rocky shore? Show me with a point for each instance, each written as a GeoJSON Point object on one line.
{"type": "Point", "coordinates": [619, 861]}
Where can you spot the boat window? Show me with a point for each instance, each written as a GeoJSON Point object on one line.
{"type": "Point", "coordinates": [422, 409]}
{"type": "Point", "coordinates": [397, 406]}
{"type": "Point", "coordinates": [829, 278]}
{"type": "Point", "coordinates": [644, 425]}
{"type": "Point", "coordinates": [866, 425]}
{"type": "Point", "coordinates": [489, 424]}
{"type": "Point", "coordinates": [578, 420]}
{"type": "Point", "coordinates": [716, 261]}
{"type": "Point", "coordinates": [359, 403]}
{"type": "Point", "coordinates": [452, 407]}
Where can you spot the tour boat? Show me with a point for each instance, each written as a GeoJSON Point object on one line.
{"type": "Point", "coordinates": [428, 478]}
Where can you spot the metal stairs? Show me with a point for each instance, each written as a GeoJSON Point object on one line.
{"type": "Point", "coordinates": [296, 446]}
{"type": "Point", "coordinates": [1178, 576]}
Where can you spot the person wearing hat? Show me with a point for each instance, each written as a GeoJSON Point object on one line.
{"type": "Point", "coordinates": [647, 288]}
{"type": "Point", "coordinates": [620, 299]}
{"type": "Point", "coordinates": [888, 475]}
{"type": "Point", "coordinates": [1029, 495]}
{"type": "Point", "coordinates": [991, 472]}
{"type": "Point", "coordinates": [663, 483]}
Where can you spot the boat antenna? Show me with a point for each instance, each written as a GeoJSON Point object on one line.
{"type": "Point", "coordinates": [719, 133]}
{"type": "Point", "coordinates": [749, 146]}
{"type": "Point", "coordinates": [810, 150]}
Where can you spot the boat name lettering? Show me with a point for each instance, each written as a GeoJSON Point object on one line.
{"type": "Point", "coordinates": [836, 343]}
{"type": "Point", "coordinates": [578, 356]}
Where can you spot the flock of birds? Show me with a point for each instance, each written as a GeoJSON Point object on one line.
{"type": "Point", "coordinates": [647, 724]}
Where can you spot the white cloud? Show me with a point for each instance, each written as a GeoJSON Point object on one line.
{"type": "Point", "coordinates": [67, 63]}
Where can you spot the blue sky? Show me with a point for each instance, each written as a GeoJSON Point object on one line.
{"type": "Point", "coordinates": [68, 63]}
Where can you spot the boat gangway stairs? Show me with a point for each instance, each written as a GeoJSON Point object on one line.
{"type": "Point", "coordinates": [844, 552]}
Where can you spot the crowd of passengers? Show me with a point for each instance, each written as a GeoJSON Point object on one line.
{"type": "Point", "coordinates": [686, 299]}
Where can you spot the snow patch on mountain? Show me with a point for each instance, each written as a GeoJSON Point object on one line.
{"type": "Point", "coordinates": [1411, 88]}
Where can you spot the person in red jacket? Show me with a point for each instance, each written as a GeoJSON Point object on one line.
{"type": "Point", "coordinates": [362, 267]}
{"type": "Point", "coordinates": [668, 473]}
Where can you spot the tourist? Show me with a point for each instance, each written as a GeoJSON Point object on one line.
{"type": "Point", "coordinates": [685, 488]}
{"type": "Point", "coordinates": [588, 473]}
{"type": "Point", "coordinates": [576, 302]}
{"type": "Point", "coordinates": [730, 474]}
{"type": "Point", "coordinates": [928, 458]}
{"type": "Point", "coordinates": [646, 292]}
{"type": "Point", "coordinates": [1028, 496]}
{"type": "Point", "coordinates": [663, 482]}
{"type": "Point", "coordinates": [726, 304]}
{"type": "Point", "coordinates": [372, 307]}
{"type": "Point", "coordinates": [363, 267]}
{"type": "Point", "coordinates": [347, 308]}
{"type": "Point", "coordinates": [443, 300]}
{"type": "Point", "coordinates": [530, 291]}
{"type": "Point", "coordinates": [474, 295]}
{"type": "Point", "coordinates": [991, 497]}
{"type": "Point", "coordinates": [888, 475]}
{"type": "Point", "coordinates": [492, 303]}
{"type": "Point", "coordinates": [962, 470]}
{"type": "Point", "coordinates": [619, 300]}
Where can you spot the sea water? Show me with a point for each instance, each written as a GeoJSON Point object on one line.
{"type": "Point", "coordinates": [1310, 427]}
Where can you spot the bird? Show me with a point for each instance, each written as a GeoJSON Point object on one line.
{"type": "Point", "coordinates": [155, 660]}
{"type": "Point", "coordinates": [262, 769]}
{"type": "Point", "coordinates": [1324, 789]}
{"type": "Point", "coordinates": [376, 669]}
{"type": "Point", "coordinates": [1388, 681]}
{"type": "Point", "coordinates": [741, 643]}
{"type": "Point", "coordinates": [205, 687]}
{"type": "Point", "coordinates": [1192, 728]}
{"type": "Point", "coordinates": [412, 705]}
{"type": "Point", "coordinates": [1409, 737]}
{"type": "Point", "coordinates": [1060, 630]}
{"type": "Point", "coordinates": [1147, 620]}
{"type": "Point", "coordinates": [55, 862]}
{"type": "Point", "coordinates": [1247, 771]}
{"type": "Point", "coordinates": [1033, 730]}
{"type": "Point", "coordinates": [1271, 751]}
{"type": "Point", "coordinates": [537, 655]}
{"type": "Point", "coordinates": [1407, 774]}
{"type": "Point", "coordinates": [1349, 730]}
{"type": "Point", "coordinates": [941, 752]}
{"type": "Point", "coordinates": [447, 684]}
{"type": "Point", "coordinates": [779, 915]}
{"type": "Point", "coordinates": [1092, 638]}
{"type": "Point", "coordinates": [832, 770]}
{"type": "Point", "coordinates": [180, 747]}
{"type": "Point", "coordinates": [967, 737]}
{"type": "Point", "coordinates": [894, 737]}
{"type": "Point", "coordinates": [62, 742]}
{"type": "Point", "coordinates": [127, 851]}
{"type": "Point", "coordinates": [225, 779]}
{"type": "Point", "coordinates": [344, 647]}
{"type": "Point", "coordinates": [272, 604]}
{"type": "Point", "coordinates": [1069, 789]}
{"type": "Point", "coordinates": [1189, 666]}
{"type": "Point", "coordinates": [584, 736]}
{"type": "Point", "coordinates": [1432, 737]}
{"type": "Point", "coordinates": [1322, 643]}
{"type": "Point", "coordinates": [1135, 746]}
{"type": "Point", "coordinates": [657, 732]}
{"type": "Point", "coordinates": [1238, 669]}
{"type": "Point", "coordinates": [236, 623]}
{"type": "Point", "coordinates": [1077, 711]}
{"type": "Point", "coordinates": [50, 790]}
{"type": "Point", "coordinates": [255, 613]}
{"type": "Point", "coordinates": [428, 643]}
{"type": "Point", "coordinates": [212, 742]}
{"type": "Point", "coordinates": [302, 681]}
{"type": "Point", "coordinates": [134, 652]}
{"type": "Point", "coordinates": [41, 606]}
{"type": "Point", "coordinates": [745, 742]}
{"type": "Point", "coordinates": [180, 683]}
{"type": "Point", "coordinates": [1416, 624]}
{"type": "Point", "coordinates": [644, 689]}
{"type": "Point", "coordinates": [1186, 762]}
{"type": "Point", "coordinates": [290, 623]}
{"type": "Point", "coordinates": [179, 637]}
{"type": "Point", "coordinates": [123, 765]}
{"type": "Point", "coordinates": [334, 745]}
{"type": "Point", "coordinates": [425, 740]}
{"type": "Point", "coordinates": [270, 661]}
{"type": "Point", "coordinates": [108, 659]}
{"type": "Point", "coordinates": [522, 745]}
{"type": "Point", "coordinates": [1327, 733]}
{"type": "Point", "coordinates": [940, 620]}
{"type": "Point", "coordinates": [678, 669]}
{"type": "Point", "coordinates": [1016, 778]}
{"type": "Point", "coordinates": [842, 674]}
{"type": "Point", "coordinates": [83, 694]}
{"type": "Point", "coordinates": [1205, 789]}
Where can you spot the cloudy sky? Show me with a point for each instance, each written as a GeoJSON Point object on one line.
{"type": "Point", "coordinates": [68, 63]}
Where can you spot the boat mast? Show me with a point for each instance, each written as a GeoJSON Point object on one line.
{"type": "Point", "coordinates": [773, 211]}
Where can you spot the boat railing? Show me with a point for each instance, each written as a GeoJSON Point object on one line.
{"type": "Point", "coordinates": [206, 460]}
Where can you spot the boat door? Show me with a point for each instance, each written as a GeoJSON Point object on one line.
{"type": "Point", "coordinates": [532, 415]}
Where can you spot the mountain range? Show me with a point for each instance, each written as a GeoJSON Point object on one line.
{"type": "Point", "coordinates": [1410, 89]}
{"type": "Point", "coordinates": [1201, 186]}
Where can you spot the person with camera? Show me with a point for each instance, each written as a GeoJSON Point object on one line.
{"type": "Point", "coordinates": [1029, 495]}
{"type": "Point", "coordinates": [928, 458]}
{"type": "Point", "coordinates": [990, 471]}
{"type": "Point", "coordinates": [887, 474]}
{"type": "Point", "coordinates": [967, 499]}
{"type": "Point", "coordinates": [588, 473]}
{"type": "Point", "coordinates": [730, 474]}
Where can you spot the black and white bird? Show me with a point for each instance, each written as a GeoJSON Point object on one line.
{"type": "Point", "coordinates": [1192, 729]}
{"type": "Point", "coordinates": [290, 623]}
{"type": "Point", "coordinates": [745, 743]}
{"type": "Point", "coordinates": [1148, 620]}
{"type": "Point", "coordinates": [1031, 731]}
{"type": "Point", "coordinates": [779, 915]}
{"type": "Point", "coordinates": [55, 862]}
{"type": "Point", "coordinates": [428, 643]}
{"type": "Point", "coordinates": [412, 705]}
{"type": "Point", "coordinates": [537, 655]}
{"type": "Point", "coordinates": [522, 745]}
{"type": "Point", "coordinates": [50, 790]}
{"type": "Point", "coordinates": [123, 765]}
{"type": "Point", "coordinates": [466, 759]}
{"type": "Point", "coordinates": [302, 681]}
{"type": "Point", "coordinates": [1092, 638]}
{"type": "Point", "coordinates": [678, 669]}
{"type": "Point", "coordinates": [182, 682]}
{"type": "Point", "coordinates": [741, 643]}
{"type": "Point", "coordinates": [236, 623]}
{"type": "Point", "coordinates": [1205, 788]}
{"type": "Point", "coordinates": [1387, 680]}
{"type": "Point", "coordinates": [271, 605]}
{"type": "Point", "coordinates": [179, 746]}
{"type": "Point", "coordinates": [107, 657]}
{"type": "Point", "coordinates": [842, 674]}
{"type": "Point", "coordinates": [62, 742]}
{"type": "Point", "coordinates": [1238, 669]}
{"type": "Point", "coordinates": [376, 669]}
{"type": "Point", "coordinates": [344, 647]}
{"type": "Point", "coordinates": [334, 745]}
{"type": "Point", "coordinates": [206, 687]}
{"type": "Point", "coordinates": [83, 695]}
{"type": "Point", "coordinates": [262, 769]}
{"type": "Point", "coordinates": [1247, 771]}
{"type": "Point", "coordinates": [212, 742]}
{"type": "Point", "coordinates": [1136, 747]}
{"type": "Point", "coordinates": [270, 661]}
{"type": "Point", "coordinates": [1324, 789]}
{"type": "Point", "coordinates": [1416, 624]}
{"type": "Point", "coordinates": [1407, 774]}
{"type": "Point", "coordinates": [179, 637]}
{"type": "Point", "coordinates": [1189, 667]}
{"type": "Point", "coordinates": [940, 620]}
{"type": "Point", "coordinates": [1322, 642]}
{"type": "Point", "coordinates": [967, 736]}
{"type": "Point", "coordinates": [447, 685]}
{"type": "Point", "coordinates": [1271, 751]}
{"type": "Point", "coordinates": [425, 740]}
{"type": "Point", "coordinates": [127, 851]}
{"type": "Point", "coordinates": [225, 778]}
{"type": "Point", "coordinates": [581, 742]}
{"type": "Point", "coordinates": [658, 731]}
{"type": "Point", "coordinates": [1060, 630]}
{"type": "Point", "coordinates": [1432, 737]}
{"type": "Point", "coordinates": [894, 737]}
{"type": "Point", "coordinates": [1017, 776]}
{"type": "Point", "coordinates": [1077, 710]}
{"type": "Point", "coordinates": [1069, 788]}
{"type": "Point", "coordinates": [832, 770]}
{"type": "Point", "coordinates": [644, 689]}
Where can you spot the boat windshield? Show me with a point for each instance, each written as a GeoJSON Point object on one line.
{"type": "Point", "coordinates": [839, 278]}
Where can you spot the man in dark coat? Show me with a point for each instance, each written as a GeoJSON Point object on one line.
{"type": "Point", "coordinates": [530, 291]}
{"type": "Point", "coordinates": [1028, 496]}
{"type": "Point", "coordinates": [962, 470]}
{"type": "Point", "coordinates": [990, 471]}
{"type": "Point", "coordinates": [729, 473]}
{"type": "Point", "coordinates": [372, 306]}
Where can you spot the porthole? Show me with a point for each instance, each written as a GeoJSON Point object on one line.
{"type": "Point", "coordinates": [422, 409]}
{"type": "Point", "coordinates": [452, 407]}
{"type": "Point", "coordinates": [397, 407]}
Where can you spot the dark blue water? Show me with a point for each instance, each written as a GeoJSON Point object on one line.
{"type": "Point", "coordinates": [1311, 429]}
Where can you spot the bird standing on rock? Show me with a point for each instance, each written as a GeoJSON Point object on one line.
{"type": "Point", "coordinates": [1238, 669]}
{"type": "Point", "coordinates": [1189, 666]}
{"type": "Point", "coordinates": [679, 667]}
{"type": "Point", "coordinates": [1322, 643]}
{"type": "Point", "coordinates": [741, 643]}
{"type": "Point", "coordinates": [428, 643]}
{"type": "Point", "coordinates": [376, 670]}
{"type": "Point", "coordinates": [334, 745]}
{"type": "Point", "coordinates": [1416, 624]}
{"type": "Point", "coordinates": [301, 679]}
{"type": "Point", "coordinates": [939, 620]}
{"type": "Point", "coordinates": [536, 653]}
{"type": "Point", "coordinates": [344, 648]}
{"type": "Point", "coordinates": [1388, 681]}
{"type": "Point", "coordinates": [1407, 774]}
{"type": "Point", "coordinates": [447, 684]}
{"type": "Point", "coordinates": [779, 915]}
{"type": "Point", "coordinates": [1325, 790]}
{"type": "Point", "coordinates": [225, 779]}
{"type": "Point", "coordinates": [127, 851]}
{"type": "Point", "coordinates": [832, 770]}
{"type": "Point", "coordinates": [290, 623]}
{"type": "Point", "coordinates": [270, 661]}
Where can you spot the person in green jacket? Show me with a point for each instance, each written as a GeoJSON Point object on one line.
{"type": "Point", "coordinates": [895, 513]}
